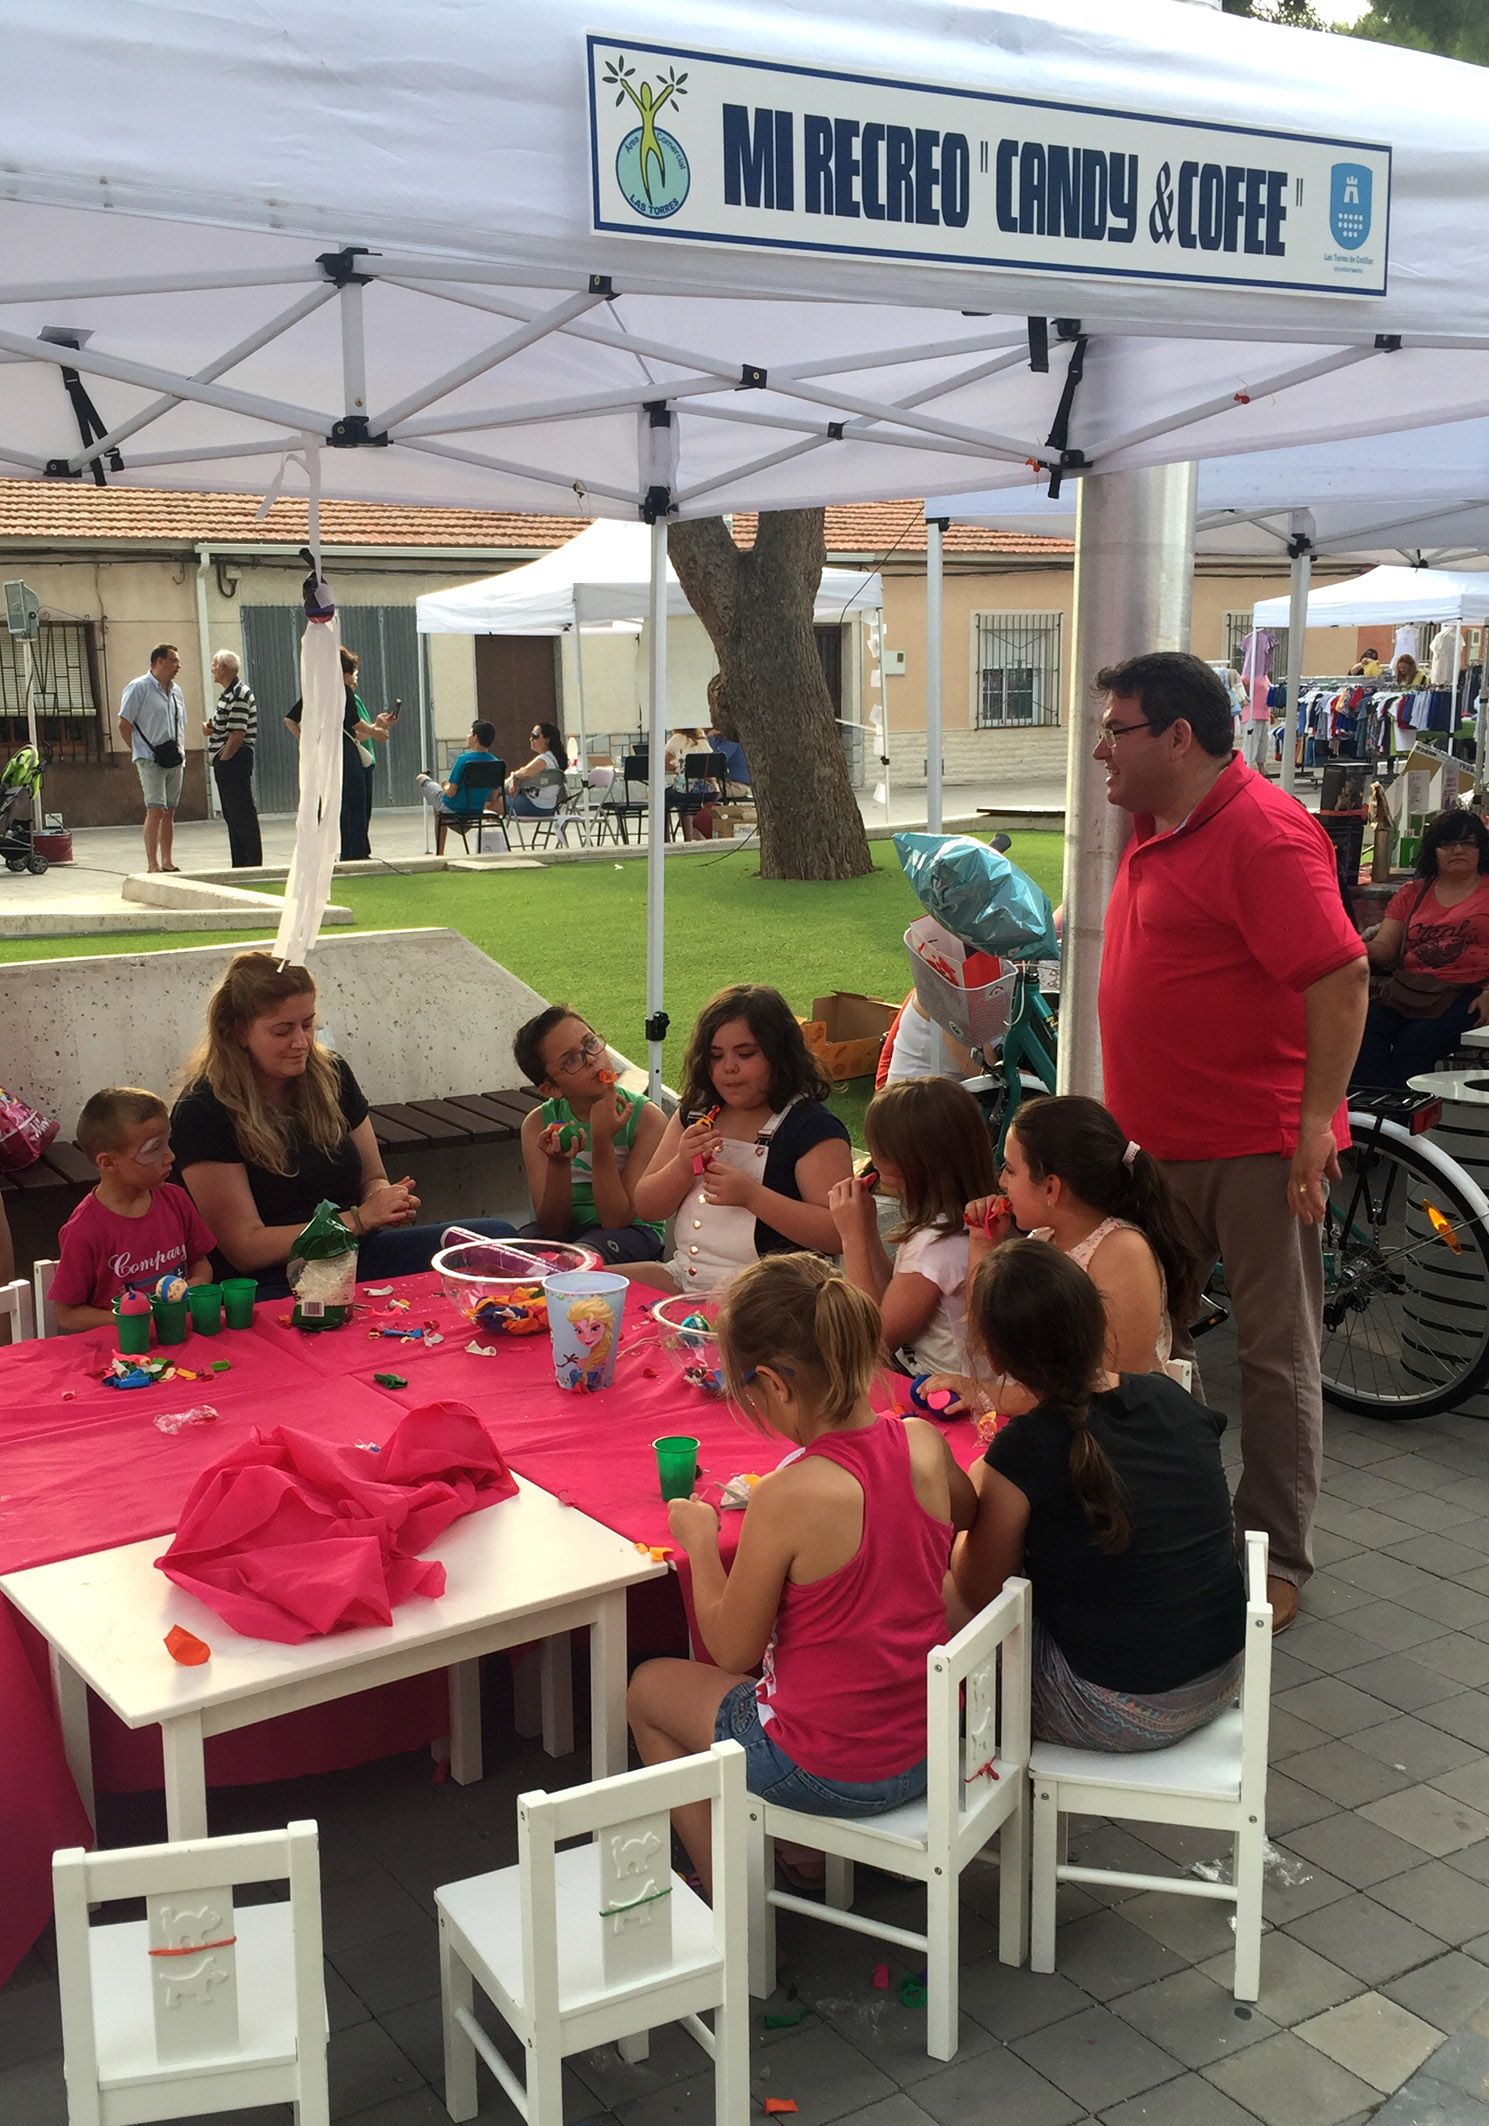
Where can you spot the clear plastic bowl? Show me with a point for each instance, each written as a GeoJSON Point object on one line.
{"type": "Point", "coordinates": [692, 1352]}
{"type": "Point", "coordinates": [497, 1285]}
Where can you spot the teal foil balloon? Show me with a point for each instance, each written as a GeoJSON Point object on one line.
{"type": "Point", "coordinates": [979, 896]}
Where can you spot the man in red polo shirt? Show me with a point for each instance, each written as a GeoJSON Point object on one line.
{"type": "Point", "coordinates": [1233, 993]}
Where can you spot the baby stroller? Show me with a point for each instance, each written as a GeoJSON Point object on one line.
{"type": "Point", "coordinates": [20, 807]}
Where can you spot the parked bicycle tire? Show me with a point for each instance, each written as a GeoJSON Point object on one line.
{"type": "Point", "coordinates": [1406, 1292]}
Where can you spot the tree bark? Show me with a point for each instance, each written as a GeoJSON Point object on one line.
{"type": "Point", "coordinates": [770, 693]}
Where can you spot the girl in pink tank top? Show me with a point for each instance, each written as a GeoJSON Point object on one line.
{"type": "Point", "coordinates": [836, 1590]}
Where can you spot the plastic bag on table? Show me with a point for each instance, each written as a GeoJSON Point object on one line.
{"type": "Point", "coordinates": [322, 1271]}
{"type": "Point", "coordinates": [978, 895]}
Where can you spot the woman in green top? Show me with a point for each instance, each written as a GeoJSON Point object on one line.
{"type": "Point", "coordinates": [589, 1143]}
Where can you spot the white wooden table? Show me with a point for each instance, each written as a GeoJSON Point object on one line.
{"type": "Point", "coordinates": [526, 1568]}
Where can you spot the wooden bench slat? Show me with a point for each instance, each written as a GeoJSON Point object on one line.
{"type": "Point", "coordinates": [70, 1163]}
{"type": "Point", "coordinates": [488, 1113]}
{"type": "Point", "coordinates": [390, 1127]}
{"type": "Point", "coordinates": [449, 1115]}
{"type": "Point", "coordinates": [34, 1180]}
{"type": "Point", "coordinates": [515, 1105]}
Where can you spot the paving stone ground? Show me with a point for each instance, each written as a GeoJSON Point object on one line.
{"type": "Point", "coordinates": [1375, 1963]}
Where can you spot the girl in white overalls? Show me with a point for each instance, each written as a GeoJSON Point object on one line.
{"type": "Point", "coordinates": [750, 1089]}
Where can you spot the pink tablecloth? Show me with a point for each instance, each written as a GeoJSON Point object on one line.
{"type": "Point", "coordinates": [95, 1471]}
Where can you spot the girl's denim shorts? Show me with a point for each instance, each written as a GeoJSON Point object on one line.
{"type": "Point", "coordinates": [770, 1773]}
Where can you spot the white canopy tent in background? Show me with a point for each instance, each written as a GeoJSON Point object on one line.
{"type": "Point", "coordinates": [598, 578]}
{"type": "Point", "coordinates": [435, 263]}
{"type": "Point", "coordinates": [1417, 496]}
{"type": "Point", "coordinates": [1394, 597]}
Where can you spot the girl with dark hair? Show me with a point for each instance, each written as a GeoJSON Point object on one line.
{"type": "Point", "coordinates": [1434, 937]}
{"type": "Point", "coordinates": [1071, 1176]}
{"type": "Point", "coordinates": [837, 1585]}
{"type": "Point", "coordinates": [929, 1141]}
{"type": "Point", "coordinates": [751, 1156]}
{"type": "Point", "coordinates": [544, 771]}
{"type": "Point", "coordinates": [1107, 1491]}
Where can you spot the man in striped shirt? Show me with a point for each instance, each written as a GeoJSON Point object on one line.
{"type": "Point", "coordinates": [232, 733]}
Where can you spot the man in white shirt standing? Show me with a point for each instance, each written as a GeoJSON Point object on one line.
{"type": "Point", "coordinates": [152, 723]}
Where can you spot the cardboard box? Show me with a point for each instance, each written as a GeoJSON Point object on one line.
{"type": "Point", "coordinates": [846, 1032]}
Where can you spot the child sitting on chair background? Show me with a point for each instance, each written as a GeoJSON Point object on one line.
{"type": "Point", "coordinates": [588, 1145]}
{"type": "Point", "coordinates": [131, 1231]}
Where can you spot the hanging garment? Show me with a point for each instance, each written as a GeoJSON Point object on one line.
{"type": "Point", "coordinates": [1442, 660]}
{"type": "Point", "coordinates": [1405, 644]}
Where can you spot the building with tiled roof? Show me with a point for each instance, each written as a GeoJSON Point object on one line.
{"type": "Point", "coordinates": [119, 569]}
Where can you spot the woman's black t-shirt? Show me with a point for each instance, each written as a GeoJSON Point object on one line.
{"type": "Point", "coordinates": [203, 1130]}
{"type": "Point", "coordinates": [1171, 1606]}
{"type": "Point", "coordinates": [802, 1128]}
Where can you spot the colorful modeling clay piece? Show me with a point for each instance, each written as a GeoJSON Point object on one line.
{"type": "Point", "coordinates": [880, 1979]}
{"type": "Point", "coordinates": [182, 1373]}
{"type": "Point", "coordinates": [935, 1402]}
{"type": "Point", "coordinates": [707, 1379]}
{"type": "Point", "coordinates": [475, 1350]}
{"type": "Point", "coordinates": [184, 1646]}
{"type": "Point", "coordinates": [912, 1991]}
{"type": "Point", "coordinates": [222, 1365]}
{"type": "Point", "coordinates": [69, 1395]}
{"type": "Point", "coordinates": [778, 2106]}
{"type": "Point", "coordinates": [131, 1377]}
{"type": "Point", "coordinates": [785, 2018]}
{"type": "Point", "coordinates": [173, 1289]}
{"type": "Point", "coordinates": [659, 1553]}
{"type": "Point", "coordinates": [378, 1291]}
{"type": "Point", "coordinates": [390, 1380]}
{"type": "Point", "coordinates": [868, 1180]}
{"type": "Point", "coordinates": [568, 1136]}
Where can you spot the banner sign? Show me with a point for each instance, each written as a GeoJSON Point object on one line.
{"type": "Point", "coordinates": [739, 151]}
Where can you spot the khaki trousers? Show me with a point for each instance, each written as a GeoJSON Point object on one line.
{"type": "Point", "coordinates": [1275, 1275]}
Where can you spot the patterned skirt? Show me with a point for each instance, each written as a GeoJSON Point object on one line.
{"type": "Point", "coordinates": [1082, 1715]}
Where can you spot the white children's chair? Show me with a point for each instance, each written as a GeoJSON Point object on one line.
{"type": "Point", "coordinates": [16, 1307]}
{"type": "Point", "coordinates": [197, 2007]}
{"type": "Point", "coordinates": [601, 1941]}
{"type": "Point", "coordinates": [977, 1754]}
{"type": "Point", "coordinates": [1215, 1779]}
{"type": "Point", "coordinates": [42, 1273]}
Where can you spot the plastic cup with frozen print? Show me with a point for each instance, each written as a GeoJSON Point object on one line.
{"type": "Point", "coordinates": [677, 1465]}
{"type": "Point", "coordinates": [205, 1302]}
{"type": "Point", "coordinates": [238, 1296]}
{"type": "Point", "coordinates": [584, 1316]}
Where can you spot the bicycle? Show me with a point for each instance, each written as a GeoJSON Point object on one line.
{"type": "Point", "coordinates": [1405, 1238]}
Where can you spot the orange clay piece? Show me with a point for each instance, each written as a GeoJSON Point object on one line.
{"type": "Point", "coordinates": [184, 1646]}
{"type": "Point", "coordinates": [659, 1553]}
{"type": "Point", "coordinates": [776, 2105]}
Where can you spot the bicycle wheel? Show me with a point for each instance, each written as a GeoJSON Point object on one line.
{"type": "Point", "coordinates": [1406, 1285]}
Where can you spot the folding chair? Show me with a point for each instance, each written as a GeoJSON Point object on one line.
{"type": "Point", "coordinates": [571, 811]}
{"type": "Point", "coordinates": [16, 1306]}
{"type": "Point", "coordinates": [711, 770]}
{"type": "Point", "coordinates": [977, 1732]}
{"type": "Point", "coordinates": [601, 1942]}
{"type": "Point", "coordinates": [1215, 1779]}
{"type": "Point", "coordinates": [485, 775]}
{"type": "Point", "coordinates": [549, 779]}
{"type": "Point", "coordinates": [197, 2007]}
{"type": "Point", "coordinates": [42, 1273]}
{"type": "Point", "coordinates": [617, 812]}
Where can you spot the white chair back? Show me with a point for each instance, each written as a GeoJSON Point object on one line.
{"type": "Point", "coordinates": [151, 2022]}
{"type": "Point", "coordinates": [17, 1307]}
{"type": "Point", "coordinates": [977, 1688]}
{"type": "Point", "coordinates": [1256, 1680]}
{"type": "Point", "coordinates": [42, 1273]}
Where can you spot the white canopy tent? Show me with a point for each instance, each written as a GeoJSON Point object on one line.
{"type": "Point", "coordinates": [1420, 493]}
{"type": "Point", "coordinates": [600, 577]}
{"type": "Point", "coordinates": [1387, 597]}
{"type": "Point", "coordinates": [444, 263]}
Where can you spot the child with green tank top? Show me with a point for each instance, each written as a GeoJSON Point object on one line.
{"type": "Point", "coordinates": [589, 1143]}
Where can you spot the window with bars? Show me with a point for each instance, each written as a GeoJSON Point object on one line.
{"type": "Point", "coordinates": [1017, 669]}
{"type": "Point", "coordinates": [1237, 627]}
{"type": "Point", "coordinates": [65, 690]}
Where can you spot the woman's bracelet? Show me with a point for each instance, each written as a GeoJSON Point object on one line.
{"type": "Point", "coordinates": [359, 1228]}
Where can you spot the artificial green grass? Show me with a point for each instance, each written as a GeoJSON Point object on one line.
{"type": "Point", "coordinates": [577, 932]}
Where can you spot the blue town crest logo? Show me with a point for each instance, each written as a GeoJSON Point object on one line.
{"type": "Point", "coordinates": [651, 165]}
{"type": "Point", "coordinates": [1349, 204]}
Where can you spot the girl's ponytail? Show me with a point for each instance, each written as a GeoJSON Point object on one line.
{"type": "Point", "coordinates": [1149, 1203]}
{"type": "Point", "coordinates": [796, 1313]}
{"type": "Point", "coordinates": [1040, 1322]}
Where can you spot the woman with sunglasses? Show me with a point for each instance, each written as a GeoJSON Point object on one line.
{"type": "Point", "coordinates": [549, 755]}
{"type": "Point", "coordinates": [589, 1143]}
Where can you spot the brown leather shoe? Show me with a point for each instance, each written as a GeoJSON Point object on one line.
{"type": "Point", "coordinates": [1283, 1597]}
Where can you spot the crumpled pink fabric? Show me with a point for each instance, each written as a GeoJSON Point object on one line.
{"type": "Point", "coordinates": [290, 1537]}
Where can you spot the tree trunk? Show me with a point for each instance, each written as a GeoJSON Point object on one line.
{"type": "Point", "coordinates": [770, 694]}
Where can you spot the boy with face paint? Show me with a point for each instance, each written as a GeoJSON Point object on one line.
{"type": "Point", "coordinates": [131, 1231]}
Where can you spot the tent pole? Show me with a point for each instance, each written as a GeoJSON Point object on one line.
{"type": "Point", "coordinates": [656, 806]}
{"type": "Point", "coordinates": [1134, 572]}
{"type": "Point", "coordinates": [579, 698]}
{"type": "Point", "coordinates": [934, 742]}
{"type": "Point", "coordinates": [1481, 713]}
{"type": "Point", "coordinates": [1297, 623]}
{"type": "Point", "coordinates": [426, 734]}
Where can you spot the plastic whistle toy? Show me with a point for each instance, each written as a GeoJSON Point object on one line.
{"type": "Point", "coordinates": [606, 1077]}
{"type": "Point", "coordinates": [933, 1402]}
{"type": "Point", "coordinates": [868, 1180]}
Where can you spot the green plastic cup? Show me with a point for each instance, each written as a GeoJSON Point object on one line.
{"type": "Point", "coordinates": [205, 1302]}
{"type": "Point", "coordinates": [238, 1296]}
{"type": "Point", "coordinates": [172, 1320]}
{"type": "Point", "coordinates": [133, 1330]}
{"type": "Point", "coordinates": [677, 1465]}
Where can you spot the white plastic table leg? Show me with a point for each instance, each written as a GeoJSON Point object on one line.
{"type": "Point", "coordinates": [71, 1694]}
{"type": "Point", "coordinates": [556, 1667]}
{"type": "Point", "coordinates": [607, 1687]}
{"type": "Point", "coordinates": [185, 1777]}
{"type": "Point", "coordinates": [465, 1722]}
